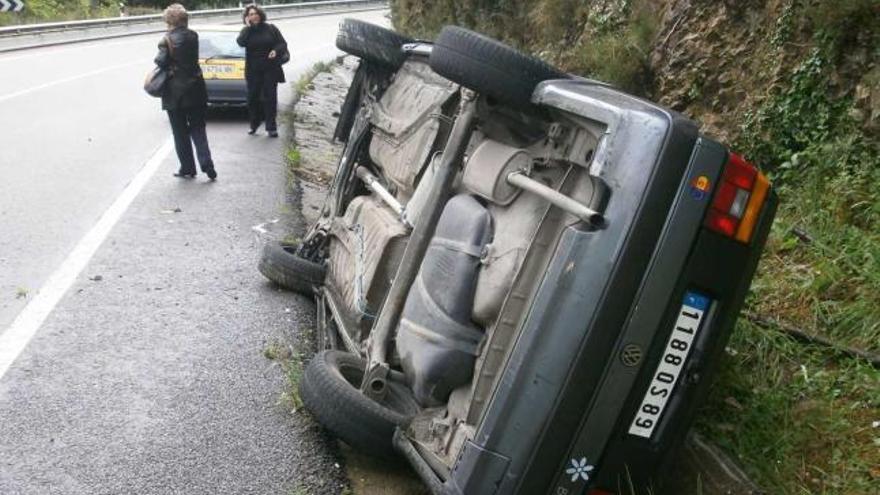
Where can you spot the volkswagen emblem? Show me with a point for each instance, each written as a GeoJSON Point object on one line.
{"type": "Point", "coordinates": [631, 355]}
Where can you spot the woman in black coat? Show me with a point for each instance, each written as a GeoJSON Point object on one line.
{"type": "Point", "coordinates": [264, 48]}
{"type": "Point", "coordinates": [184, 96]}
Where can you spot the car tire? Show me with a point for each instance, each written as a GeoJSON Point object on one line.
{"type": "Point", "coordinates": [488, 66]}
{"type": "Point", "coordinates": [281, 264]}
{"type": "Point", "coordinates": [329, 389]}
{"type": "Point", "coordinates": [372, 43]}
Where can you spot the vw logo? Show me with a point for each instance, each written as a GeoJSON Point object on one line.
{"type": "Point", "coordinates": [631, 355]}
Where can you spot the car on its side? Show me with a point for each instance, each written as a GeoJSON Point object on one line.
{"type": "Point", "coordinates": [525, 279]}
{"type": "Point", "coordinates": [222, 63]}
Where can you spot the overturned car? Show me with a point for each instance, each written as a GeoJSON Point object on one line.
{"type": "Point", "coordinates": [524, 278]}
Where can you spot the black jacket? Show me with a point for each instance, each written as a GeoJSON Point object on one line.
{"type": "Point", "coordinates": [186, 89]}
{"type": "Point", "coordinates": [258, 41]}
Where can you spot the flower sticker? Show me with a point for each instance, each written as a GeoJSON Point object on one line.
{"type": "Point", "coordinates": [579, 469]}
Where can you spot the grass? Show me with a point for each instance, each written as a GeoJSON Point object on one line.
{"type": "Point", "coordinates": [810, 411]}
{"type": "Point", "coordinates": [38, 11]}
{"type": "Point", "coordinates": [292, 365]}
{"type": "Point", "coordinates": [293, 157]}
{"type": "Point", "coordinates": [292, 154]}
{"type": "Point", "coordinates": [802, 425]}
{"type": "Point", "coordinates": [806, 423]}
{"type": "Point", "coordinates": [303, 84]}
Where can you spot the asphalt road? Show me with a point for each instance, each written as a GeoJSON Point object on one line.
{"type": "Point", "coordinates": [148, 375]}
{"type": "Point", "coordinates": [75, 127]}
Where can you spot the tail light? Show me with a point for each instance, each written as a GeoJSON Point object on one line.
{"type": "Point", "coordinates": [738, 199]}
{"type": "Point", "coordinates": [596, 491]}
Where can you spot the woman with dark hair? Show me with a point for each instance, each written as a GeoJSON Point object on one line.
{"type": "Point", "coordinates": [264, 48]}
{"type": "Point", "coordinates": [184, 96]}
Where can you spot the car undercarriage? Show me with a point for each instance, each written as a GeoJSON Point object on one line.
{"type": "Point", "coordinates": [524, 278]}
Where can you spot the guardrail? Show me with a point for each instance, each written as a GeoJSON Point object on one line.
{"type": "Point", "coordinates": [127, 26]}
{"type": "Point", "coordinates": [195, 14]}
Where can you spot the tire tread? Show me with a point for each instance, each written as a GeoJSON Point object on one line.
{"type": "Point", "coordinates": [280, 264]}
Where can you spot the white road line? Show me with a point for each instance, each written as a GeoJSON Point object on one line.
{"type": "Point", "coordinates": [69, 79]}
{"type": "Point", "coordinates": [26, 324]}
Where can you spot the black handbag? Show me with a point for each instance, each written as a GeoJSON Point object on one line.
{"type": "Point", "coordinates": [283, 56]}
{"type": "Point", "coordinates": [157, 78]}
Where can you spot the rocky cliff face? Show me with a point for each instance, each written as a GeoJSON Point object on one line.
{"type": "Point", "coordinates": [716, 61]}
{"type": "Point", "coordinates": [721, 61]}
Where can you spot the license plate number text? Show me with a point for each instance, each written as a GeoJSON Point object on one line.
{"type": "Point", "coordinates": [678, 348]}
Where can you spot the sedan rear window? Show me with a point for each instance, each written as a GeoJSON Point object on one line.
{"type": "Point", "coordinates": [219, 44]}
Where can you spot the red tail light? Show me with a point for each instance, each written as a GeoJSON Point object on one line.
{"type": "Point", "coordinates": [596, 491]}
{"type": "Point", "coordinates": [738, 200]}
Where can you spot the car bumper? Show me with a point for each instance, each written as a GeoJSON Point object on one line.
{"type": "Point", "coordinates": [226, 91]}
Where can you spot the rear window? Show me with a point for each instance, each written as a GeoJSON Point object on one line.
{"type": "Point", "coordinates": [219, 44]}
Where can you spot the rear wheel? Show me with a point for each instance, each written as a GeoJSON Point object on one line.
{"type": "Point", "coordinates": [330, 390]}
{"type": "Point", "coordinates": [372, 43]}
{"type": "Point", "coordinates": [488, 66]}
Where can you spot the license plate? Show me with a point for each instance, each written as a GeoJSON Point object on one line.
{"type": "Point", "coordinates": [678, 347]}
{"type": "Point", "coordinates": [223, 70]}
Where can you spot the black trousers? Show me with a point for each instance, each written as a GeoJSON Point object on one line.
{"type": "Point", "coordinates": [262, 99]}
{"type": "Point", "coordinates": [188, 127]}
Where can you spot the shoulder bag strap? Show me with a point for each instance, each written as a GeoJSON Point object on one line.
{"type": "Point", "coordinates": [170, 47]}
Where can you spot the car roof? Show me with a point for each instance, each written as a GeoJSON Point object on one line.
{"type": "Point", "coordinates": [224, 28]}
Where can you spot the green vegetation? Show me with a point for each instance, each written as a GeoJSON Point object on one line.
{"type": "Point", "coordinates": [799, 418]}
{"type": "Point", "coordinates": [293, 157]}
{"type": "Point", "coordinates": [291, 363]}
{"type": "Point", "coordinates": [60, 10]}
{"type": "Point", "coordinates": [301, 86]}
{"type": "Point", "coordinates": [794, 85]}
{"type": "Point", "coordinates": [67, 10]}
{"type": "Point", "coordinates": [805, 423]}
{"type": "Point", "coordinates": [607, 40]}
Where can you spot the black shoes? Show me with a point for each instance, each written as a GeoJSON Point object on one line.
{"type": "Point", "coordinates": [272, 133]}
{"type": "Point", "coordinates": [212, 174]}
{"type": "Point", "coordinates": [185, 175]}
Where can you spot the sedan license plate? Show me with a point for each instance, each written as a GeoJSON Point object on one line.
{"type": "Point", "coordinates": [678, 347]}
{"type": "Point", "coordinates": [223, 69]}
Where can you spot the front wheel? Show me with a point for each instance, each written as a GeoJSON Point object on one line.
{"type": "Point", "coordinates": [282, 264]}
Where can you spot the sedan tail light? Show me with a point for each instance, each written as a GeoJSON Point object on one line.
{"type": "Point", "coordinates": [738, 199]}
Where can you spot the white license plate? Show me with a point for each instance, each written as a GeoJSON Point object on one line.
{"type": "Point", "coordinates": [678, 347]}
